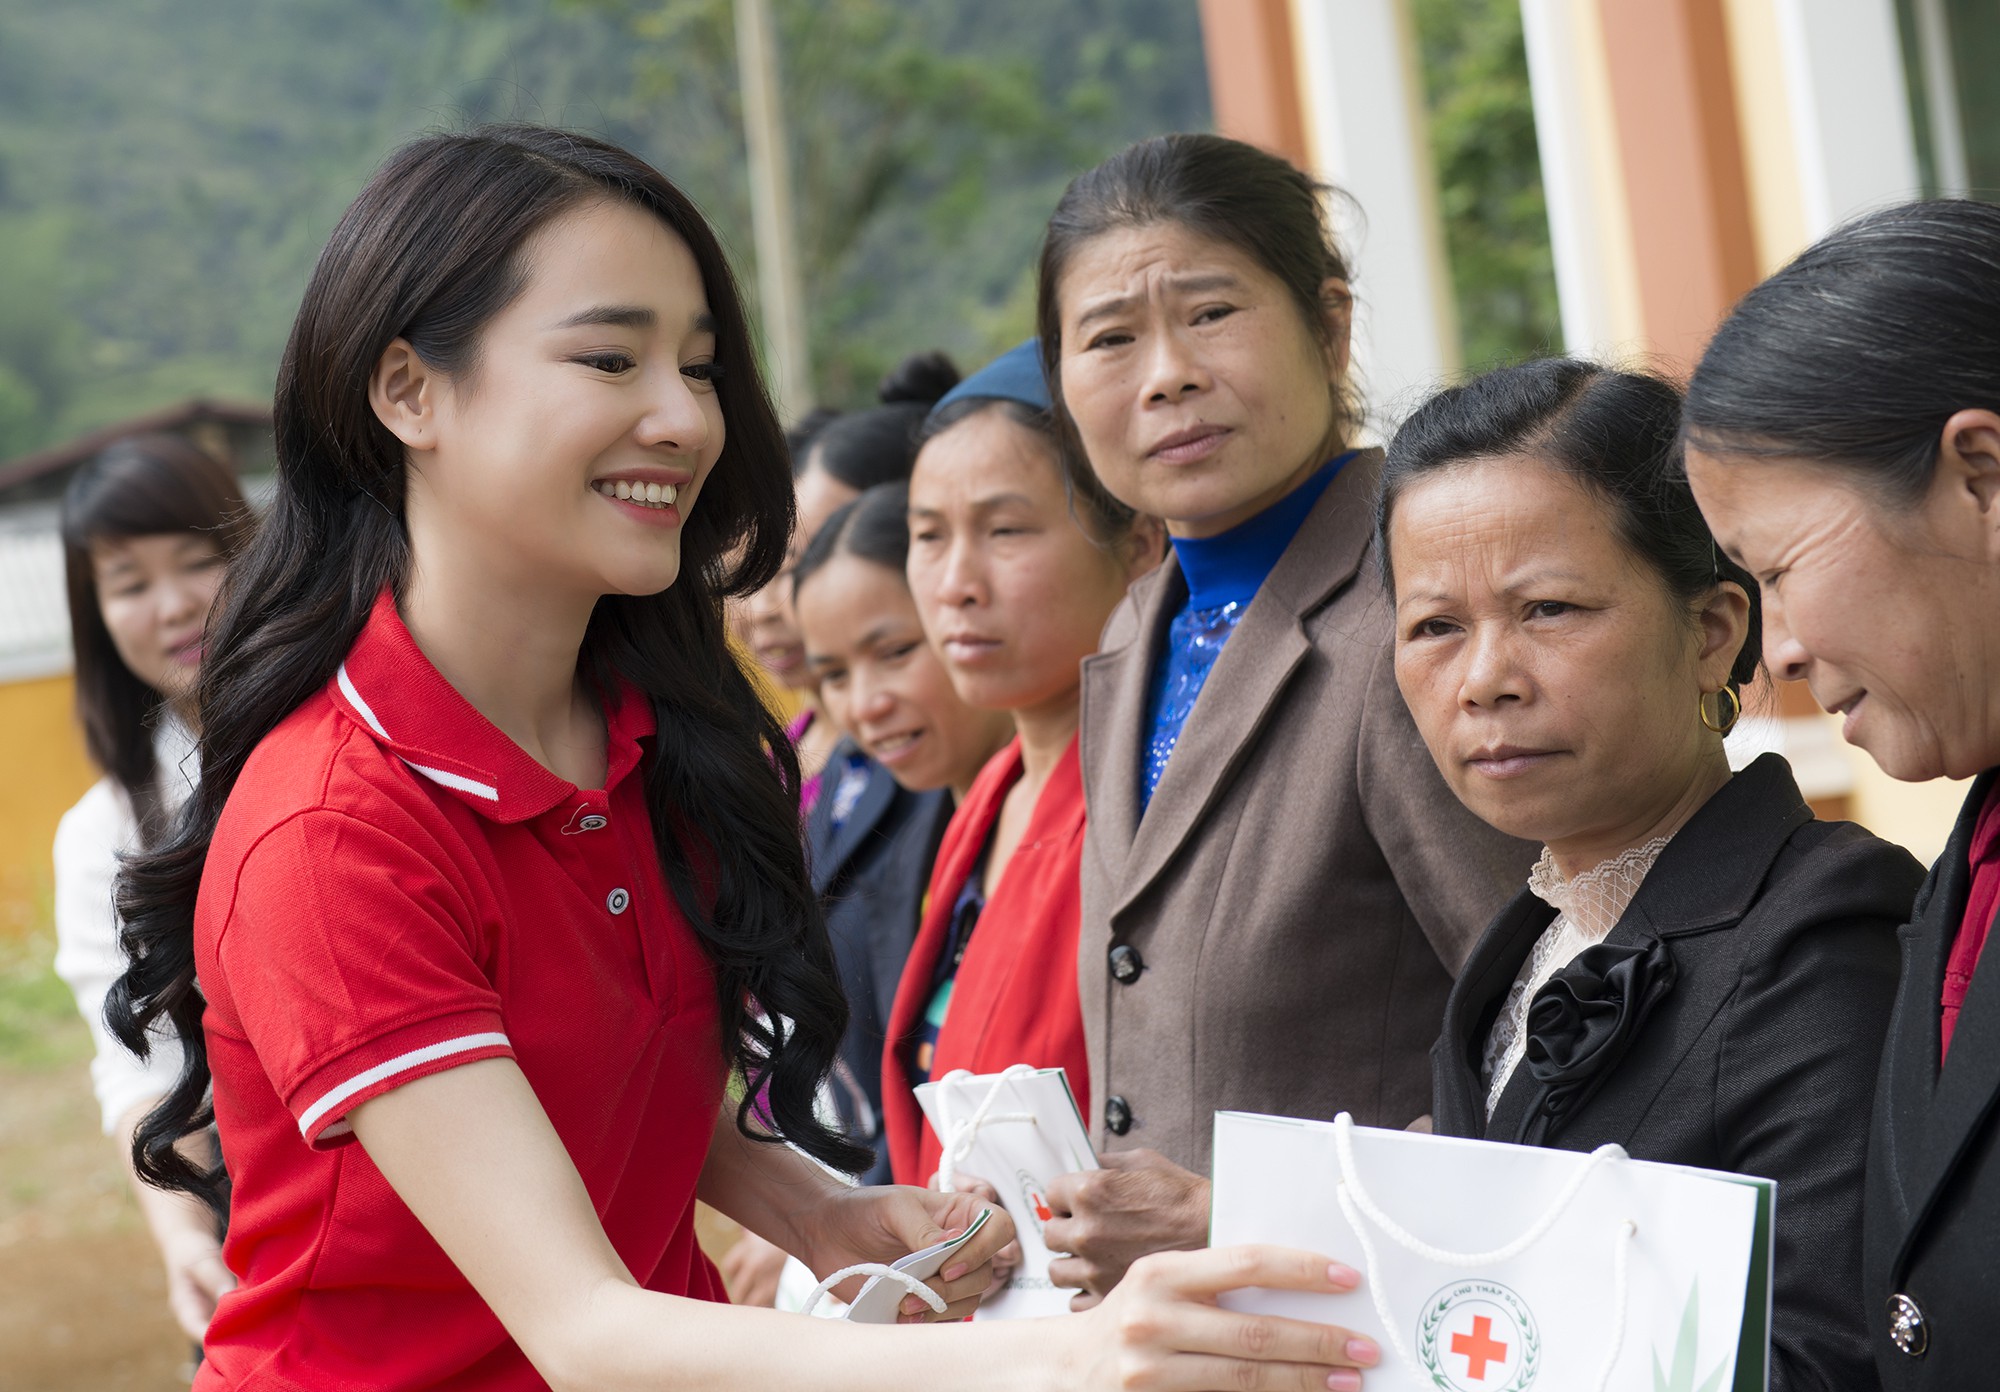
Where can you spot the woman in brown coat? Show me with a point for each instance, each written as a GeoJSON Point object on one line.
{"type": "Point", "coordinates": [1277, 886]}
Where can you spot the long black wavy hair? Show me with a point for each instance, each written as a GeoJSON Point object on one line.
{"type": "Point", "coordinates": [429, 252]}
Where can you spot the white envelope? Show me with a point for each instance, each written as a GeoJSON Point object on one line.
{"type": "Point", "coordinates": [1501, 1268]}
{"type": "Point", "coordinates": [1017, 1130]}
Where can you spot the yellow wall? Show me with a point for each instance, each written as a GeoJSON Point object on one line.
{"type": "Point", "coordinates": [1916, 816]}
{"type": "Point", "coordinates": [43, 770]}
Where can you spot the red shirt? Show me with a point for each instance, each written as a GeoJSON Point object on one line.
{"type": "Point", "coordinates": [1014, 999]}
{"type": "Point", "coordinates": [394, 889]}
{"type": "Point", "coordinates": [1981, 904]}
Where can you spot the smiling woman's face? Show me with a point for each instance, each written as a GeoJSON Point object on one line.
{"type": "Point", "coordinates": [1552, 674]}
{"type": "Point", "coordinates": [577, 444]}
{"type": "Point", "coordinates": [154, 593]}
{"type": "Point", "coordinates": [884, 684]}
{"type": "Point", "coordinates": [1888, 614]}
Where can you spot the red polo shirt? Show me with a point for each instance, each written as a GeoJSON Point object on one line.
{"type": "Point", "coordinates": [394, 889]}
{"type": "Point", "coordinates": [1015, 996]}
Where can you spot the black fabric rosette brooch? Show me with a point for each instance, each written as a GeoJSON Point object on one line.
{"type": "Point", "coordinates": [1582, 1022]}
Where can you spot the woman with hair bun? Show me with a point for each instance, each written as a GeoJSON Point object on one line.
{"type": "Point", "coordinates": [1696, 970]}
{"type": "Point", "coordinates": [147, 527]}
{"type": "Point", "coordinates": [844, 456]}
{"type": "Point", "coordinates": [1843, 439]}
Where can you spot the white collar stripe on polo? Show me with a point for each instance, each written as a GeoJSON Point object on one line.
{"type": "Point", "coordinates": [366, 711]}
{"type": "Point", "coordinates": [449, 780]}
{"type": "Point", "coordinates": [402, 1063]}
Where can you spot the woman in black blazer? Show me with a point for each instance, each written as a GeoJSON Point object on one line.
{"type": "Point", "coordinates": [1843, 435]}
{"type": "Point", "coordinates": [870, 867]}
{"type": "Point", "coordinates": [1698, 971]}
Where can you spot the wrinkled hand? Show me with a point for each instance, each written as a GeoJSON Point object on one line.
{"type": "Point", "coordinates": [1163, 1330]}
{"type": "Point", "coordinates": [196, 1279]}
{"type": "Point", "coordinates": [1107, 1219]}
{"type": "Point", "coordinates": [888, 1223]}
{"type": "Point", "coordinates": [750, 1271]}
{"type": "Point", "coordinates": [1008, 1259]}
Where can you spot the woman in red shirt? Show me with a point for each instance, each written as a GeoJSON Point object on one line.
{"type": "Point", "coordinates": [1014, 584]}
{"type": "Point", "coordinates": [494, 841]}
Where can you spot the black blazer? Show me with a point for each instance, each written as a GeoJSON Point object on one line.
{"type": "Point", "coordinates": [1756, 966]}
{"type": "Point", "coordinates": [1932, 1233]}
{"type": "Point", "coordinates": [871, 875]}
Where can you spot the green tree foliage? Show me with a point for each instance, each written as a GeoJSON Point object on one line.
{"type": "Point", "coordinates": [168, 171]}
{"type": "Point", "coordinates": [929, 139]}
{"type": "Point", "coordinates": [1489, 179]}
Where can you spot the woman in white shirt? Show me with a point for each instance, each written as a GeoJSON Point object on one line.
{"type": "Point", "coordinates": [147, 526]}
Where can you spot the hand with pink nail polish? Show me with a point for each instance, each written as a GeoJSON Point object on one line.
{"type": "Point", "coordinates": [1162, 1327]}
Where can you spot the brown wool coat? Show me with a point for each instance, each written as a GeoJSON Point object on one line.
{"type": "Point", "coordinates": [1303, 885]}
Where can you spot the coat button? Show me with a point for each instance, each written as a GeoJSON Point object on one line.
{"type": "Point", "coordinates": [617, 901]}
{"type": "Point", "coordinates": [1907, 1330]}
{"type": "Point", "coordinates": [1126, 964]}
{"type": "Point", "coordinates": [1117, 1115]}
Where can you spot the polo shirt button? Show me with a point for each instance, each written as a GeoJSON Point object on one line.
{"type": "Point", "coordinates": [1117, 1115]}
{"type": "Point", "coordinates": [593, 823]}
{"type": "Point", "coordinates": [1126, 964]}
{"type": "Point", "coordinates": [617, 901]}
{"type": "Point", "coordinates": [1907, 1330]}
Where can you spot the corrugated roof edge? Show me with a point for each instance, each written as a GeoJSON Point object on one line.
{"type": "Point", "coordinates": [28, 467]}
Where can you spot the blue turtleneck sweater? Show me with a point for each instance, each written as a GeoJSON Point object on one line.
{"type": "Point", "coordinates": [1223, 573]}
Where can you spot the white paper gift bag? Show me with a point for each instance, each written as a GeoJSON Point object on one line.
{"type": "Point", "coordinates": [1501, 1268]}
{"type": "Point", "coordinates": [1017, 1130]}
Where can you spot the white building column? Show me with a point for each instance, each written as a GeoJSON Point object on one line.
{"type": "Point", "coordinates": [1850, 107]}
{"type": "Point", "coordinates": [1590, 237]}
{"type": "Point", "coordinates": [1368, 132]}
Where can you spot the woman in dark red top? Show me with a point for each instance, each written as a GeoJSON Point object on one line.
{"type": "Point", "coordinates": [1843, 435]}
{"type": "Point", "coordinates": [1014, 586]}
{"type": "Point", "coordinates": [494, 843]}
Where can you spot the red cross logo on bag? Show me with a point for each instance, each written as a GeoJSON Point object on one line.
{"type": "Point", "coordinates": [1478, 1336]}
{"type": "Point", "coordinates": [1479, 1348]}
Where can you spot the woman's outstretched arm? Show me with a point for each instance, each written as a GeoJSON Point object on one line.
{"type": "Point", "coordinates": [474, 1156]}
{"type": "Point", "coordinates": [783, 1196]}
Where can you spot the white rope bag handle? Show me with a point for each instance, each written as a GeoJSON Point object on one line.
{"type": "Point", "coordinates": [909, 1283]}
{"type": "Point", "coordinates": [1355, 1202]}
{"type": "Point", "coordinates": [960, 1136]}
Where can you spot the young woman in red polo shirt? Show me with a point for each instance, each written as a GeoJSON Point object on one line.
{"type": "Point", "coordinates": [493, 845]}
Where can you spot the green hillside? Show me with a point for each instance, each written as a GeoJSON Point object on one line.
{"type": "Point", "coordinates": [169, 168]}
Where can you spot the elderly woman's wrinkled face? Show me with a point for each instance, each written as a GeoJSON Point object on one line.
{"type": "Point", "coordinates": [1551, 672]}
{"type": "Point", "coordinates": [1891, 616]}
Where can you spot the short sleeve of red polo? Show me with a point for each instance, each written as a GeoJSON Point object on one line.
{"type": "Point", "coordinates": [354, 967]}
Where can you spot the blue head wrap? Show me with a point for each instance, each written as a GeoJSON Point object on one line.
{"type": "Point", "coordinates": [1016, 375]}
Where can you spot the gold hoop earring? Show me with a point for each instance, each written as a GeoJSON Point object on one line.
{"type": "Point", "coordinates": [1722, 724]}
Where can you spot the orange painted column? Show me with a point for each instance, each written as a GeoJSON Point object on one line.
{"type": "Point", "coordinates": [1253, 76]}
{"type": "Point", "coordinates": [1693, 243]}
